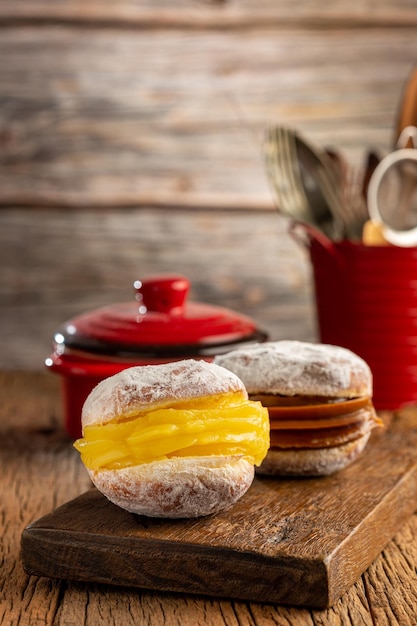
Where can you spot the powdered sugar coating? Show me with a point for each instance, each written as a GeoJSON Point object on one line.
{"type": "Point", "coordinates": [299, 368]}
{"type": "Point", "coordinates": [139, 388]}
{"type": "Point", "coordinates": [177, 487]}
{"type": "Point", "coordinates": [312, 461]}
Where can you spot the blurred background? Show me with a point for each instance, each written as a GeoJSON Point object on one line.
{"type": "Point", "coordinates": [130, 144]}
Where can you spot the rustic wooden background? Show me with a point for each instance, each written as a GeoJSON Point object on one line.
{"type": "Point", "coordinates": [130, 137]}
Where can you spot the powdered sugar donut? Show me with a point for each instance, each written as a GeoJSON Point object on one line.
{"type": "Point", "coordinates": [173, 440]}
{"type": "Point", "coordinates": [293, 368]}
{"type": "Point", "coordinates": [319, 399]}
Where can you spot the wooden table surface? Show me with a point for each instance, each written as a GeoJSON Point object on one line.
{"type": "Point", "coordinates": [130, 144]}
{"type": "Point", "coordinates": [41, 470]}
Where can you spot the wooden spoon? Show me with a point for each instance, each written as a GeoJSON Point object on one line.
{"type": "Point", "coordinates": [407, 112]}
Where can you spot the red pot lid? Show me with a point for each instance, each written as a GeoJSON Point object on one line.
{"type": "Point", "coordinates": [159, 323]}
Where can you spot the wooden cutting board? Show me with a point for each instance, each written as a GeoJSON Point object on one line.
{"type": "Point", "coordinates": [293, 541]}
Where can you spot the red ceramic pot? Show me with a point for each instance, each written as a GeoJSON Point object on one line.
{"type": "Point", "coordinates": [158, 327]}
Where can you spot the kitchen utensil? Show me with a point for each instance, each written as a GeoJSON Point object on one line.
{"type": "Point", "coordinates": [392, 191]}
{"type": "Point", "coordinates": [285, 178]}
{"type": "Point", "coordinates": [354, 204]}
{"type": "Point", "coordinates": [157, 327]}
{"type": "Point", "coordinates": [371, 163]}
{"type": "Point", "coordinates": [303, 179]}
{"type": "Point", "coordinates": [351, 205]}
{"type": "Point", "coordinates": [407, 110]}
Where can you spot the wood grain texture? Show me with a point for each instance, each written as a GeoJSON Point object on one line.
{"type": "Point", "coordinates": [55, 264]}
{"type": "Point", "coordinates": [41, 471]}
{"type": "Point", "coordinates": [283, 542]}
{"type": "Point", "coordinates": [174, 117]}
{"type": "Point", "coordinates": [142, 104]}
{"type": "Point", "coordinates": [137, 113]}
{"type": "Point", "coordinates": [211, 13]}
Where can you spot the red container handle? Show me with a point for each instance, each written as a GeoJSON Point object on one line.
{"type": "Point", "coordinates": [164, 294]}
{"type": "Point", "coordinates": [304, 234]}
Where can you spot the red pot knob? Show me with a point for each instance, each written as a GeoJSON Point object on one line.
{"type": "Point", "coordinates": [164, 294]}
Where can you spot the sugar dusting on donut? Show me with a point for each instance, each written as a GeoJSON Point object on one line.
{"type": "Point", "coordinates": [299, 368]}
{"type": "Point", "coordinates": [312, 461]}
{"type": "Point", "coordinates": [139, 388]}
{"type": "Point", "coordinates": [177, 487]}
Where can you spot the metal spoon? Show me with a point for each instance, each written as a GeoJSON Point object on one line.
{"type": "Point", "coordinates": [304, 180]}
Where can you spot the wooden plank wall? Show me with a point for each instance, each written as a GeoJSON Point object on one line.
{"type": "Point", "coordinates": [130, 137]}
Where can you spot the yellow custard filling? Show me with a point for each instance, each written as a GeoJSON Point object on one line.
{"type": "Point", "coordinates": [215, 425]}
